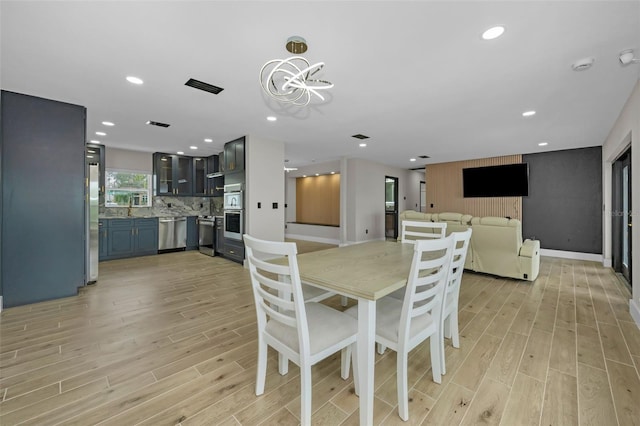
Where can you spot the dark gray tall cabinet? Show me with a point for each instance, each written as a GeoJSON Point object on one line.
{"type": "Point", "coordinates": [42, 253]}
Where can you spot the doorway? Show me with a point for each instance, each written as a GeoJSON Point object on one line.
{"type": "Point", "coordinates": [621, 221]}
{"type": "Point", "coordinates": [391, 207]}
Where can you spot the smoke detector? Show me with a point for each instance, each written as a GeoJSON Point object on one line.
{"type": "Point", "coordinates": [582, 64]}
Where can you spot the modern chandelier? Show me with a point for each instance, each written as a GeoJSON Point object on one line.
{"type": "Point", "coordinates": [290, 80]}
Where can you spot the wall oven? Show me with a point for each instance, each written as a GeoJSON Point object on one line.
{"type": "Point", "coordinates": [233, 224]}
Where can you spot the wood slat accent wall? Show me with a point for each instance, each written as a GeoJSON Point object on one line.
{"type": "Point", "coordinates": [318, 200]}
{"type": "Point", "coordinates": [444, 190]}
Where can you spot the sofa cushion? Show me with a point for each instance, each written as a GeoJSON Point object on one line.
{"type": "Point", "coordinates": [466, 219]}
{"type": "Point", "coordinates": [414, 215]}
{"type": "Point", "coordinates": [449, 217]}
{"type": "Point", "coordinates": [495, 221]}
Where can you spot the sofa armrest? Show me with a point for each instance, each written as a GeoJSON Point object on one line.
{"type": "Point", "coordinates": [530, 248]}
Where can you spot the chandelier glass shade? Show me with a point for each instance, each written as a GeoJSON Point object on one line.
{"type": "Point", "coordinates": [290, 80]}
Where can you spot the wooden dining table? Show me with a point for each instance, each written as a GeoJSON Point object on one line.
{"type": "Point", "coordinates": [367, 272]}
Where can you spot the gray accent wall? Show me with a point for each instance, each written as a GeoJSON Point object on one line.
{"type": "Point", "coordinates": [564, 206]}
{"type": "Point", "coordinates": [43, 208]}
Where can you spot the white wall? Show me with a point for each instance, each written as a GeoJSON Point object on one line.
{"type": "Point", "coordinates": [413, 189]}
{"type": "Point", "coordinates": [626, 128]}
{"type": "Point", "coordinates": [366, 195]}
{"type": "Point", "coordinates": [265, 184]}
{"type": "Point", "coordinates": [124, 159]}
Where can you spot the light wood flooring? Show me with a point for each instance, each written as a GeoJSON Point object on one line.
{"type": "Point", "coordinates": [171, 339]}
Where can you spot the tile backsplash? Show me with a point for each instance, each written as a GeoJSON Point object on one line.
{"type": "Point", "coordinates": [170, 206]}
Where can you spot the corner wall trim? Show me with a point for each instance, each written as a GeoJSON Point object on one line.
{"type": "Point", "coordinates": [571, 255]}
{"type": "Point", "coordinates": [634, 310]}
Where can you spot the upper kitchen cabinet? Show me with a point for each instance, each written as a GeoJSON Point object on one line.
{"type": "Point", "coordinates": [234, 156]}
{"type": "Point", "coordinates": [173, 174]}
{"type": "Point", "coordinates": [200, 176]}
{"type": "Point", "coordinates": [215, 178]}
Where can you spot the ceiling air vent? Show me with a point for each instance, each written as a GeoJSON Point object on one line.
{"type": "Point", "coordinates": [423, 156]}
{"type": "Point", "coordinates": [157, 123]}
{"type": "Point", "coordinates": [360, 136]}
{"type": "Point", "coordinates": [196, 84]}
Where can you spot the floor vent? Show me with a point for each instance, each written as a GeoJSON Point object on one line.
{"type": "Point", "coordinates": [196, 84]}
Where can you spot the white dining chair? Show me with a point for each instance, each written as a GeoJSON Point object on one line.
{"type": "Point", "coordinates": [452, 291]}
{"type": "Point", "coordinates": [402, 325]}
{"type": "Point", "coordinates": [412, 230]}
{"type": "Point", "coordinates": [304, 333]}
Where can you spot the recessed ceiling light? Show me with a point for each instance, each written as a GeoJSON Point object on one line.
{"type": "Point", "coordinates": [108, 123]}
{"type": "Point", "coordinates": [134, 80]}
{"type": "Point", "coordinates": [208, 140]}
{"type": "Point", "coordinates": [304, 175]}
{"type": "Point", "coordinates": [193, 147]}
{"type": "Point", "coordinates": [272, 118]}
{"type": "Point", "coordinates": [363, 145]}
{"type": "Point", "coordinates": [528, 113]}
{"type": "Point", "coordinates": [101, 134]}
{"type": "Point", "coordinates": [412, 159]}
{"type": "Point", "coordinates": [317, 174]}
{"type": "Point", "coordinates": [492, 33]}
{"type": "Point", "coordinates": [94, 141]}
{"type": "Point", "coordinates": [543, 144]}
{"type": "Point", "coordinates": [333, 173]}
{"type": "Point", "coordinates": [180, 152]}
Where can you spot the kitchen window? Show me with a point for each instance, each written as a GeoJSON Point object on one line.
{"type": "Point", "coordinates": [127, 188]}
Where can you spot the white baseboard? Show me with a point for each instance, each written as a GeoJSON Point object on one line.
{"type": "Point", "coordinates": [571, 255]}
{"type": "Point", "coordinates": [607, 263]}
{"type": "Point", "coordinates": [634, 310]}
{"type": "Point", "coordinates": [312, 238]}
{"type": "Point", "coordinates": [350, 243]}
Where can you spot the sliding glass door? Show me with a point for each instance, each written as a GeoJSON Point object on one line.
{"type": "Point", "coordinates": [622, 218]}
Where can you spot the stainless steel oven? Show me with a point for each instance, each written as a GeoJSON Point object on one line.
{"type": "Point", "coordinates": [233, 224]}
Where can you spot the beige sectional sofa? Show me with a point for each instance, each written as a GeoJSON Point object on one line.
{"type": "Point", "coordinates": [496, 243]}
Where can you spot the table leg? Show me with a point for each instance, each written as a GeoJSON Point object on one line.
{"type": "Point", "coordinates": [366, 358]}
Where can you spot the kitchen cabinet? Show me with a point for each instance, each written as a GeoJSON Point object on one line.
{"type": "Point", "coordinates": [219, 235]}
{"type": "Point", "coordinates": [146, 236]}
{"type": "Point", "coordinates": [192, 233]}
{"type": "Point", "coordinates": [200, 181]}
{"type": "Point", "coordinates": [42, 145]}
{"type": "Point", "coordinates": [215, 180]}
{"type": "Point", "coordinates": [130, 237]}
{"type": "Point", "coordinates": [103, 226]}
{"type": "Point", "coordinates": [234, 156]}
{"type": "Point", "coordinates": [173, 174]}
{"type": "Point", "coordinates": [233, 250]}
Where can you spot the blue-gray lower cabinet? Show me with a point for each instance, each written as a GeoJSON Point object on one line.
{"type": "Point", "coordinates": [130, 237]}
{"type": "Point", "coordinates": [192, 233]}
{"type": "Point", "coordinates": [146, 236]}
{"type": "Point", "coordinates": [103, 238]}
{"type": "Point", "coordinates": [120, 238]}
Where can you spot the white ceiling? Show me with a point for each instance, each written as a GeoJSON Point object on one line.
{"type": "Point", "coordinates": [415, 76]}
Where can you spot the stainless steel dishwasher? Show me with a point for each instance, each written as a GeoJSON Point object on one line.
{"type": "Point", "coordinates": [172, 233]}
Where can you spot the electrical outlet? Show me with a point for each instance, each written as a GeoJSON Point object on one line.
{"type": "Point", "coordinates": [259, 205]}
{"type": "Point", "coordinates": [274, 205]}
{"type": "Point", "coordinates": [366, 231]}
{"type": "Point", "coordinates": [169, 205]}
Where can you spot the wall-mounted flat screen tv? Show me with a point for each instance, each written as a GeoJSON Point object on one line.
{"type": "Point", "coordinates": [509, 180]}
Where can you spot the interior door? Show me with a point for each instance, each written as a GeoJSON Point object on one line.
{"type": "Point", "coordinates": [391, 207]}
